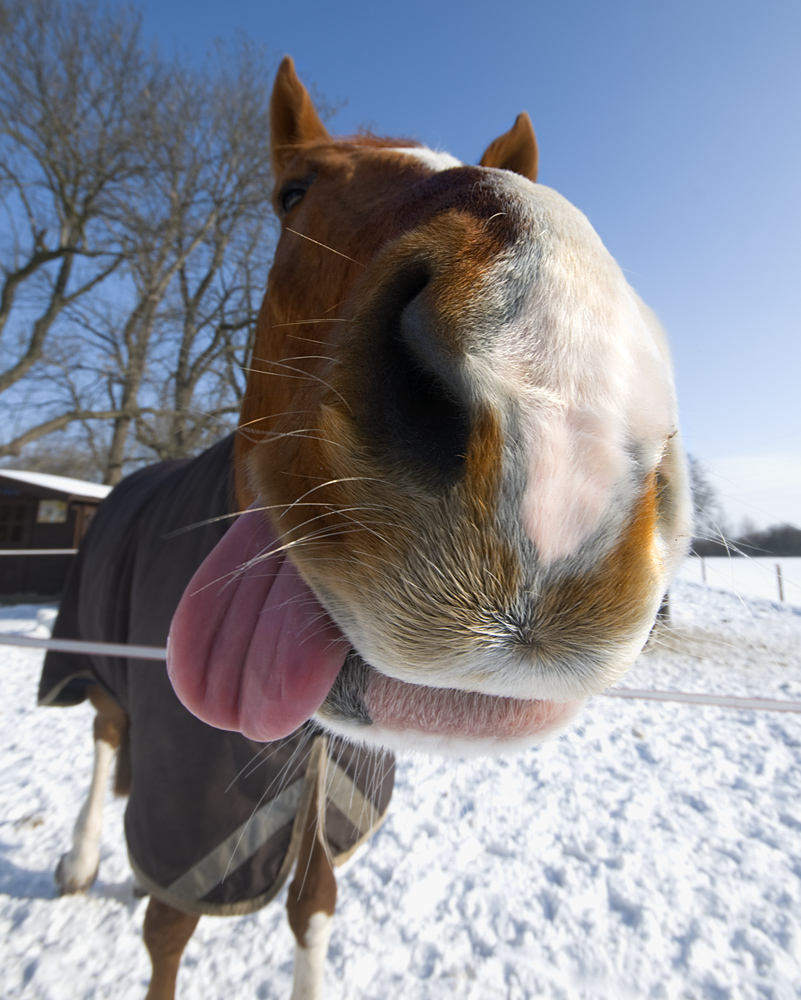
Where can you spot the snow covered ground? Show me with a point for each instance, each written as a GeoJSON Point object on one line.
{"type": "Point", "coordinates": [652, 852]}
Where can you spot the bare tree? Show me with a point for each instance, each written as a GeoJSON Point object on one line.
{"type": "Point", "coordinates": [71, 85]}
{"type": "Point", "coordinates": [196, 233]}
{"type": "Point", "coordinates": [709, 522]}
{"type": "Point", "coordinates": [217, 246]}
{"type": "Point", "coordinates": [137, 194]}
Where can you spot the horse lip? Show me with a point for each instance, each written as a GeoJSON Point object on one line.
{"type": "Point", "coordinates": [462, 715]}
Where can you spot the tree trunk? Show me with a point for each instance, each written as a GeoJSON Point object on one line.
{"type": "Point", "coordinates": [116, 452]}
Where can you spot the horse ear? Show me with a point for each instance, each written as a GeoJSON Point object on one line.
{"type": "Point", "coordinates": [515, 150]}
{"type": "Point", "coordinates": [293, 118]}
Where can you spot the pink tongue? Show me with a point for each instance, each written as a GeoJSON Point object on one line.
{"type": "Point", "coordinates": [250, 646]}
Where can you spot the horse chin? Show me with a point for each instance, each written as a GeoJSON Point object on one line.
{"type": "Point", "coordinates": [372, 708]}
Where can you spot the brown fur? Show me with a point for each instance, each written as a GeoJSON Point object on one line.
{"type": "Point", "coordinates": [615, 593]}
{"type": "Point", "coordinates": [112, 725]}
{"type": "Point", "coordinates": [320, 434]}
{"type": "Point", "coordinates": [166, 933]}
{"type": "Point", "coordinates": [314, 887]}
{"type": "Point", "coordinates": [293, 117]}
{"type": "Point", "coordinates": [515, 150]}
{"type": "Point", "coordinates": [310, 447]}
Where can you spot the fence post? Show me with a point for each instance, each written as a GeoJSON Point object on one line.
{"type": "Point", "coordinates": [780, 581]}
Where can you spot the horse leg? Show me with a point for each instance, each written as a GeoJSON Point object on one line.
{"type": "Point", "coordinates": [166, 933]}
{"type": "Point", "coordinates": [77, 869]}
{"type": "Point", "coordinates": [310, 907]}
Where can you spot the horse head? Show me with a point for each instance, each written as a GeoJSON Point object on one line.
{"type": "Point", "coordinates": [459, 445]}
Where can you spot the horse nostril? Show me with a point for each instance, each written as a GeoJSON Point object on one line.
{"type": "Point", "coordinates": [422, 413]}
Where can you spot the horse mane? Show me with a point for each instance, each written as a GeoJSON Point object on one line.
{"type": "Point", "coordinates": [365, 138]}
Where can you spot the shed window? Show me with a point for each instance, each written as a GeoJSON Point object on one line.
{"type": "Point", "coordinates": [13, 517]}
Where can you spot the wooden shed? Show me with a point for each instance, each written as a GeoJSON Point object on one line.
{"type": "Point", "coordinates": [40, 511]}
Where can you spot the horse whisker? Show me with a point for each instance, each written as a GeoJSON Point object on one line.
{"type": "Point", "coordinates": [303, 322]}
{"type": "Point", "coordinates": [324, 246]}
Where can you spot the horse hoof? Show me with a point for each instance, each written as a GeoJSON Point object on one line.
{"type": "Point", "coordinates": [72, 877]}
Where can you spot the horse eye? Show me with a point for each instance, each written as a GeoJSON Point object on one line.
{"type": "Point", "coordinates": [292, 193]}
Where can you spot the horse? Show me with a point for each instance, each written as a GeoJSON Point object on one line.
{"type": "Point", "coordinates": [461, 496]}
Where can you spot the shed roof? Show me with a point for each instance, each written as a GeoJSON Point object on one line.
{"type": "Point", "coordinates": [61, 484]}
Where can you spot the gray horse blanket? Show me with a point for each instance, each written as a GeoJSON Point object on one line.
{"type": "Point", "coordinates": [214, 820]}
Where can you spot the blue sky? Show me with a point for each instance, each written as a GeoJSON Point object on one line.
{"type": "Point", "coordinates": [676, 127]}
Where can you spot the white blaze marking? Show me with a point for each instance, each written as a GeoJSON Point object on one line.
{"type": "Point", "coordinates": [586, 363]}
{"type": "Point", "coordinates": [436, 161]}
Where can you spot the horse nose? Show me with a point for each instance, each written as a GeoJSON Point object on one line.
{"type": "Point", "coordinates": [422, 413]}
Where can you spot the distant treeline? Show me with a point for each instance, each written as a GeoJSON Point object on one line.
{"type": "Point", "coordinates": [779, 540]}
